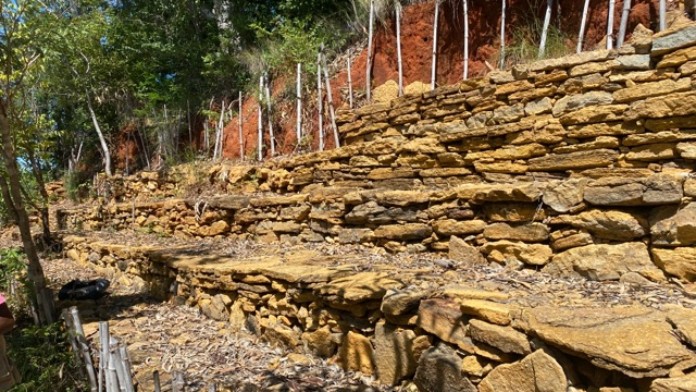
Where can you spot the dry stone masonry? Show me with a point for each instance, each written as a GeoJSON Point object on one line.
{"type": "Point", "coordinates": [581, 166]}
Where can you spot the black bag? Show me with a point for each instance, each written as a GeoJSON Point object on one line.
{"type": "Point", "coordinates": [80, 289]}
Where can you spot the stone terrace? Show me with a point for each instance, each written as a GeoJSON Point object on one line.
{"type": "Point", "coordinates": [581, 167]}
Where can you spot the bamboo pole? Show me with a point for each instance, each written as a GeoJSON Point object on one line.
{"type": "Point", "coordinates": [240, 121]}
{"type": "Point", "coordinates": [125, 358]}
{"type": "Point", "coordinates": [111, 375]}
{"type": "Point", "coordinates": [466, 39]}
{"type": "Point", "coordinates": [350, 84]}
{"type": "Point", "coordinates": [501, 64]}
{"type": "Point", "coordinates": [178, 382]}
{"type": "Point", "coordinates": [610, 25]}
{"type": "Point", "coordinates": [219, 133]}
{"type": "Point", "coordinates": [118, 365]}
{"type": "Point", "coordinates": [299, 103]}
{"type": "Point", "coordinates": [270, 116]}
{"type": "Point", "coordinates": [583, 25]}
{"type": "Point", "coordinates": [84, 348]}
{"type": "Point", "coordinates": [433, 67]}
{"type": "Point", "coordinates": [545, 29]}
{"type": "Point", "coordinates": [70, 327]}
{"type": "Point", "coordinates": [624, 23]}
{"type": "Point", "coordinates": [260, 125]}
{"type": "Point", "coordinates": [368, 70]}
{"type": "Point", "coordinates": [663, 15]}
{"type": "Point", "coordinates": [103, 352]}
{"type": "Point", "coordinates": [320, 103]}
{"type": "Point", "coordinates": [399, 61]}
{"type": "Point", "coordinates": [329, 97]}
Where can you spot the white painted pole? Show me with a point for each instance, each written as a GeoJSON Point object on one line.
{"type": "Point", "coordinates": [433, 67]}
{"type": "Point", "coordinates": [240, 123]}
{"type": "Point", "coordinates": [299, 103]}
{"type": "Point", "coordinates": [368, 70]}
{"type": "Point", "coordinates": [221, 130]}
{"type": "Point", "coordinates": [624, 23]}
{"type": "Point", "coordinates": [350, 84]}
{"type": "Point", "coordinates": [270, 116]}
{"type": "Point", "coordinates": [320, 103]}
{"type": "Point", "coordinates": [466, 39]}
{"type": "Point", "coordinates": [545, 29]}
{"type": "Point", "coordinates": [663, 13]}
{"type": "Point", "coordinates": [397, 11]}
{"type": "Point", "coordinates": [260, 109]}
{"type": "Point", "coordinates": [329, 97]}
{"type": "Point", "coordinates": [610, 26]}
{"type": "Point", "coordinates": [501, 65]}
{"type": "Point", "coordinates": [583, 24]}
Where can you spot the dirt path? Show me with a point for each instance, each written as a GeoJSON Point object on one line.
{"type": "Point", "coordinates": [165, 337]}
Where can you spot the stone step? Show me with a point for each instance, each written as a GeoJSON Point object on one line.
{"type": "Point", "coordinates": [402, 317]}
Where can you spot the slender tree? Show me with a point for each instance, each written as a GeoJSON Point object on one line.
{"type": "Point", "coordinates": [299, 103]}
{"type": "Point", "coordinates": [368, 66]}
{"type": "Point", "coordinates": [329, 98]}
{"type": "Point", "coordinates": [240, 124]}
{"type": "Point", "coordinates": [320, 103]}
{"type": "Point", "coordinates": [260, 120]}
{"type": "Point", "coordinates": [610, 25]}
{"type": "Point", "coordinates": [583, 24]}
{"type": "Point", "coordinates": [466, 39]}
{"type": "Point", "coordinates": [501, 64]}
{"type": "Point", "coordinates": [433, 67]}
{"type": "Point", "coordinates": [545, 29]}
{"type": "Point", "coordinates": [624, 23]}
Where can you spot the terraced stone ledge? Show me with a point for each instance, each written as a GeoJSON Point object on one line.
{"type": "Point", "coordinates": [425, 320]}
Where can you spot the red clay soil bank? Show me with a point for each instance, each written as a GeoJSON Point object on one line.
{"type": "Point", "coordinates": [417, 26]}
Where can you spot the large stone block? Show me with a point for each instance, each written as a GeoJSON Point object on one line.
{"type": "Point", "coordinates": [574, 160]}
{"type": "Point", "coordinates": [505, 339]}
{"type": "Point", "coordinates": [538, 372]}
{"type": "Point", "coordinates": [507, 252]}
{"type": "Point", "coordinates": [579, 101]}
{"type": "Point", "coordinates": [528, 232]}
{"type": "Point", "coordinates": [356, 353]}
{"type": "Point", "coordinates": [679, 262]}
{"type": "Point", "coordinates": [393, 353]}
{"type": "Point", "coordinates": [674, 41]}
{"type": "Point", "coordinates": [672, 105]}
{"type": "Point", "coordinates": [673, 226]}
{"type": "Point", "coordinates": [439, 370]}
{"type": "Point", "coordinates": [605, 262]}
{"type": "Point", "coordinates": [622, 191]}
{"type": "Point", "coordinates": [612, 225]}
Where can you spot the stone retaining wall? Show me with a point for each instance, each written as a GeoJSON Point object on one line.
{"type": "Point", "coordinates": [568, 165]}
{"type": "Point", "coordinates": [401, 324]}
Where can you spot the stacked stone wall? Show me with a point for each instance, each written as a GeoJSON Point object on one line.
{"type": "Point", "coordinates": [555, 165]}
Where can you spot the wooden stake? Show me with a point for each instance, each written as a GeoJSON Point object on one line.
{"type": "Point", "coordinates": [545, 29]}
{"type": "Point", "coordinates": [501, 64]}
{"type": "Point", "coordinates": [624, 23]}
{"type": "Point", "coordinates": [329, 97]}
{"type": "Point", "coordinates": [270, 116]}
{"type": "Point", "coordinates": [583, 24]}
{"type": "Point", "coordinates": [240, 120]}
{"type": "Point", "coordinates": [84, 348]}
{"type": "Point", "coordinates": [610, 25]}
{"type": "Point", "coordinates": [368, 70]}
{"type": "Point", "coordinates": [260, 108]}
{"type": "Point", "coordinates": [320, 103]}
{"type": "Point", "coordinates": [350, 84]}
{"type": "Point", "coordinates": [399, 62]}
{"type": "Point", "coordinates": [466, 39]}
{"type": "Point", "coordinates": [433, 67]}
{"type": "Point", "coordinates": [299, 103]}
{"type": "Point", "coordinates": [156, 381]}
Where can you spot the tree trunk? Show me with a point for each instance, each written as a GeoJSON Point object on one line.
{"type": "Point", "coordinates": [43, 295]}
{"type": "Point", "coordinates": [624, 23]}
{"type": "Point", "coordinates": [433, 67]}
{"type": "Point", "coordinates": [545, 29]}
{"type": "Point", "coordinates": [299, 103]}
{"type": "Point", "coordinates": [329, 98]}
{"type": "Point", "coordinates": [102, 140]}
{"type": "Point", "coordinates": [368, 67]}
{"type": "Point", "coordinates": [663, 15]}
{"type": "Point", "coordinates": [320, 104]}
{"type": "Point", "coordinates": [501, 63]}
{"type": "Point", "coordinates": [43, 208]}
{"type": "Point", "coordinates": [466, 39]}
{"type": "Point", "coordinates": [260, 120]}
{"type": "Point", "coordinates": [583, 24]}
{"type": "Point", "coordinates": [610, 25]}
{"type": "Point", "coordinates": [399, 61]}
